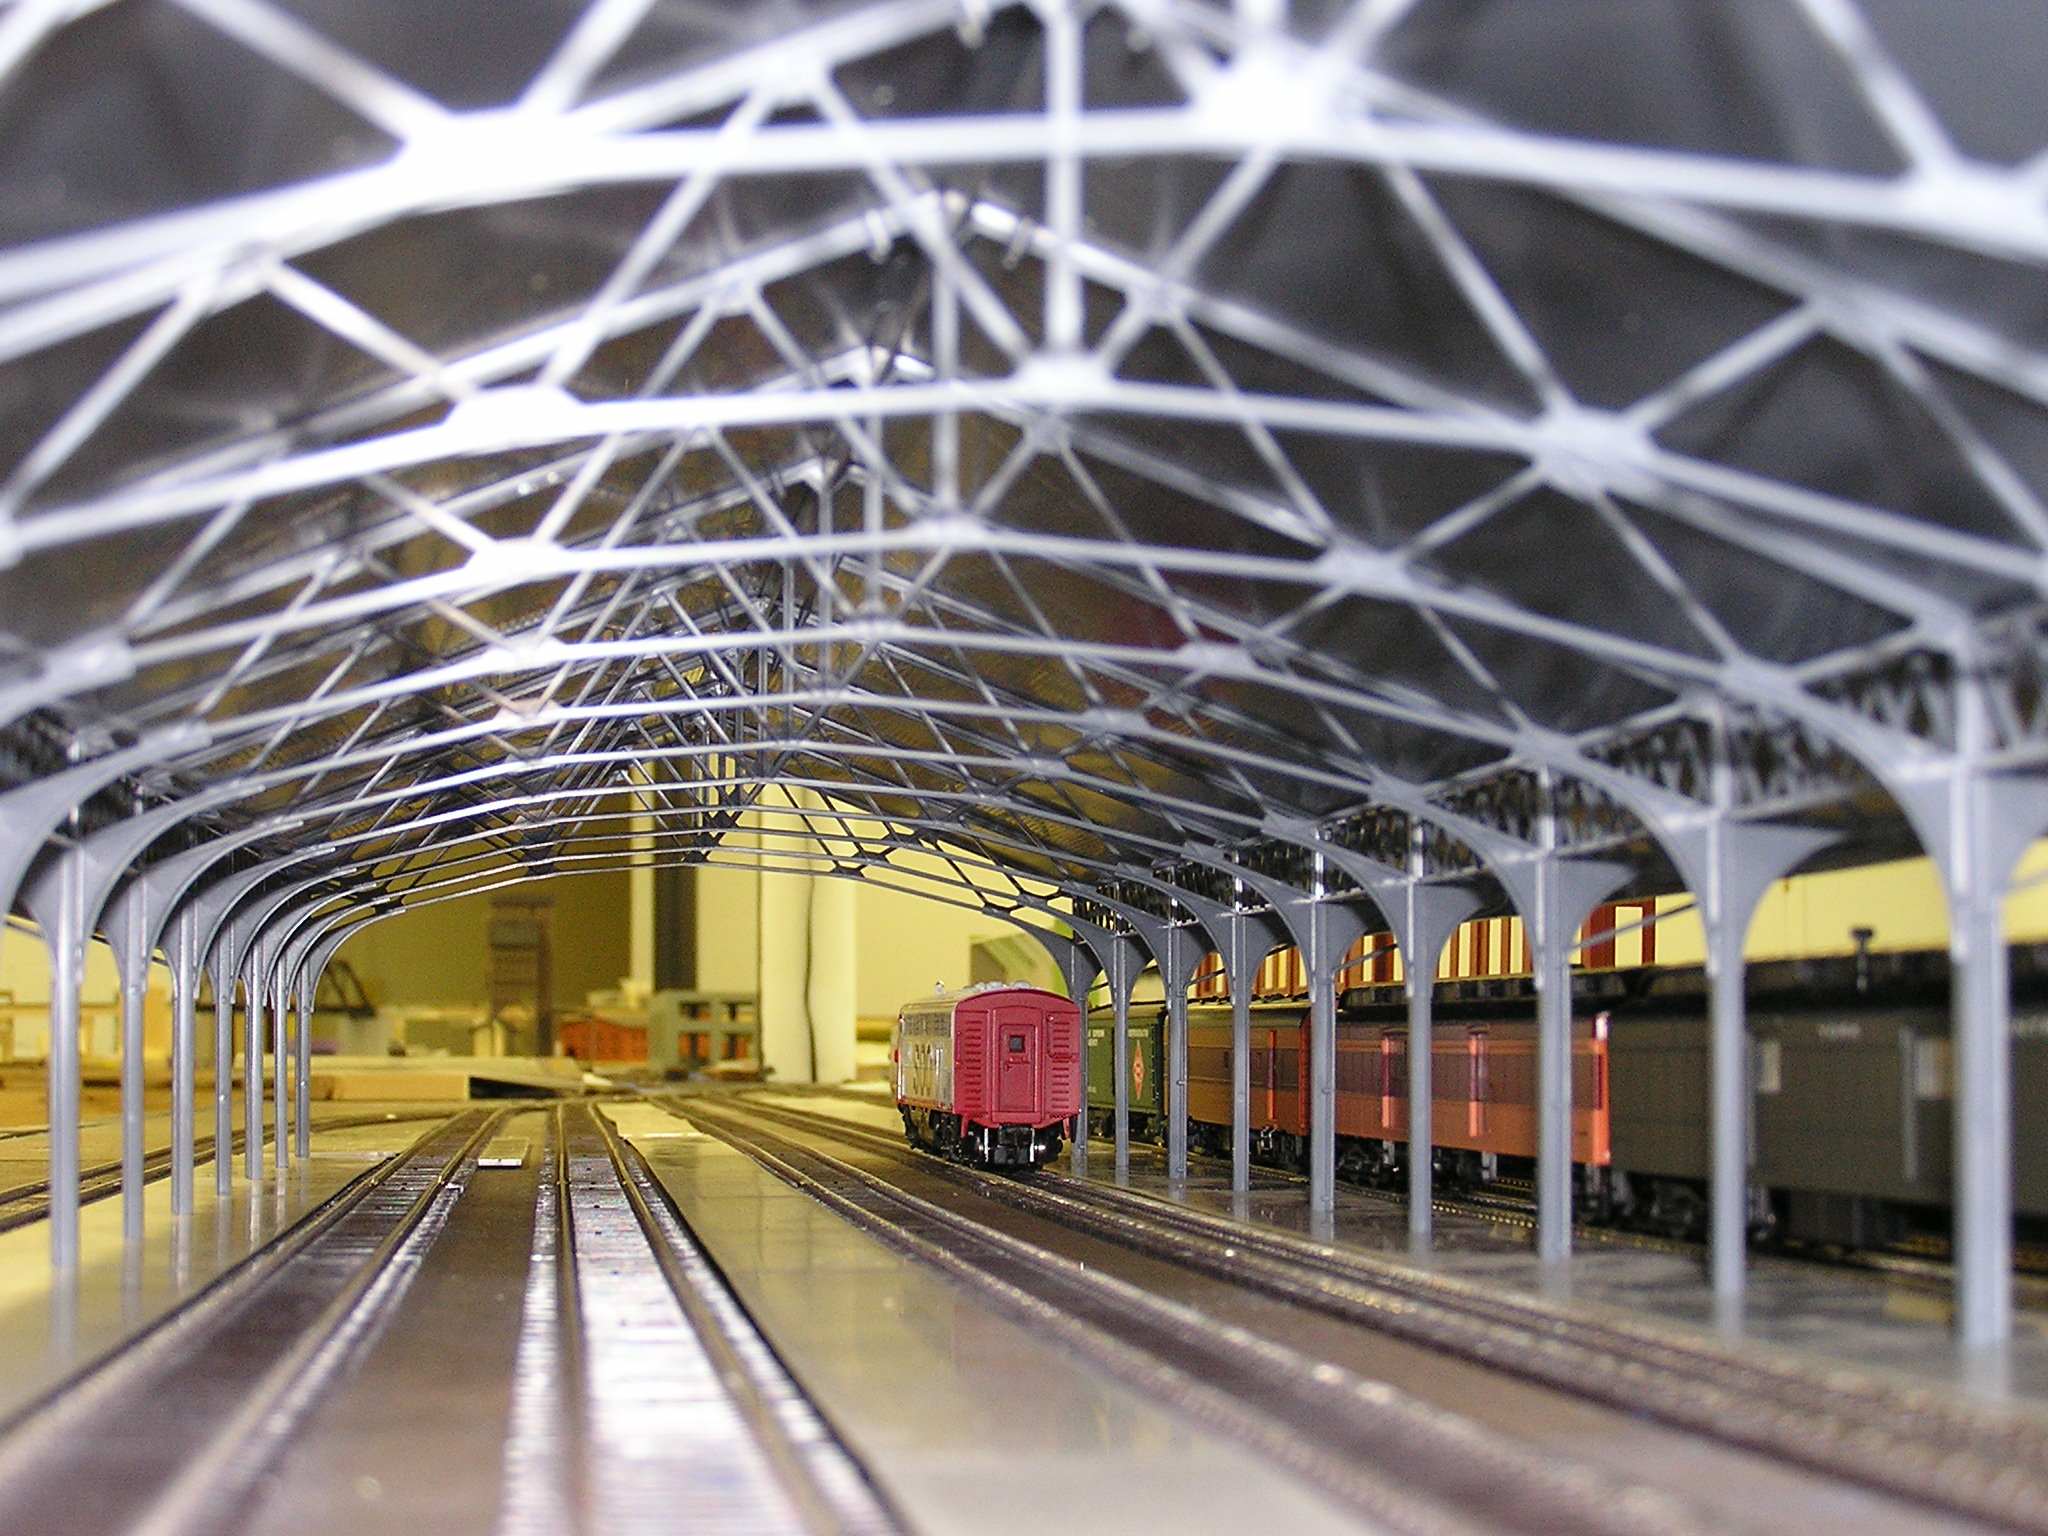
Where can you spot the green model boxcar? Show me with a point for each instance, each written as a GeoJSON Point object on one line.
{"type": "Point", "coordinates": [1143, 1079]}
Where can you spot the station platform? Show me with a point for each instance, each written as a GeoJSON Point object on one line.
{"type": "Point", "coordinates": [974, 1425]}
{"type": "Point", "coordinates": [1895, 1322]}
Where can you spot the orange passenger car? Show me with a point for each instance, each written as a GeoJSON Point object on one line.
{"type": "Point", "coordinates": [1484, 1086]}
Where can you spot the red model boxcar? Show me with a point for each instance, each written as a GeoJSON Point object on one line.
{"type": "Point", "coordinates": [990, 1075]}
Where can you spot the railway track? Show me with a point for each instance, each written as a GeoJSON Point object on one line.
{"type": "Point", "coordinates": [1925, 1445]}
{"type": "Point", "coordinates": [1922, 1263]}
{"type": "Point", "coordinates": [346, 1380]}
{"type": "Point", "coordinates": [26, 1203]}
{"type": "Point", "coordinates": [1405, 1464]}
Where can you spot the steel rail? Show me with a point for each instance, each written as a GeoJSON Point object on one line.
{"type": "Point", "coordinates": [1402, 1462]}
{"type": "Point", "coordinates": [1921, 1443]}
{"type": "Point", "coordinates": [832, 1493]}
{"type": "Point", "coordinates": [1930, 1270]}
{"type": "Point", "coordinates": [244, 1360]}
{"type": "Point", "coordinates": [572, 1406]}
{"type": "Point", "coordinates": [24, 1204]}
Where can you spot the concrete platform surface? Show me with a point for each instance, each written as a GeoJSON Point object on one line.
{"type": "Point", "coordinates": [972, 1425]}
{"type": "Point", "coordinates": [1825, 1312]}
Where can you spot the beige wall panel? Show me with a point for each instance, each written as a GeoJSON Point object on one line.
{"type": "Point", "coordinates": [728, 928]}
{"type": "Point", "coordinates": [908, 943]}
{"type": "Point", "coordinates": [439, 955]}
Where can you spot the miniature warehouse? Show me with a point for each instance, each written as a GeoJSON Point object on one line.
{"type": "Point", "coordinates": [1309, 533]}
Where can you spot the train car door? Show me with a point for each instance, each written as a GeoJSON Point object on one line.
{"type": "Point", "coordinates": [1393, 1082]}
{"type": "Point", "coordinates": [1478, 1088]}
{"type": "Point", "coordinates": [1019, 1038]}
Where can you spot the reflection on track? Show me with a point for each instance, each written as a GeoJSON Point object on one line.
{"type": "Point", "coordinates": [1962, 1457]}
{"type": "Point", "coordinates": [21, 1204]}
{"type": "Point", "coordinates": [1404, 1464]}
{"type": "Point", "coordinates": [360, 1374]}
{"type": "Point", "coordinates": [644, 1399]}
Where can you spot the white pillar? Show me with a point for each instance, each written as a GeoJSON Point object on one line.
{"type": "Point", "coordinates": [785, 956]}
{"type": "Point", "coordinates": [640, 893]}
{"type": "Point", "coordinates": [835, 953]}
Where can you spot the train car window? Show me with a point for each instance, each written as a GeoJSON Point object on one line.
{"type": "Point", "coordinates": [1017, 1045]}
{"type": "Point", "coordinates": [1930, 1068]}
{"type": "Point", "coordinates": [1770, 1066]}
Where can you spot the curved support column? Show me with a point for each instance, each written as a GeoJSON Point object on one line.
{"type": "Point", "coordinates": [1730, 866]}
{"type": "Point", "coordinates": [1120, 962]}
{"type": "Point", "coordinates": [1250, 937]}
{"type": "Point", "coordinates": [1243, 939]}
{"type": "Point", "coordinates": [1975, 824]}
{"type": "Point", "coordinates": [1424, 917]}
{"type": "Point", "coordinates": [222, 972]}
{"type": "Point", "coordinates": [1125, 963]}
{"type": "Point", "coordinates": [1323, 928]}
{"type": "Point", "coordinates": [1077, 964]}
{"type": "Point", "coordinates": [56, 899]}
{"type": "Point", "coordinates": [314, 942]}
{"type": "Point", "coordinates": [280, 1062]}
{"type": "Point", "coordinates": [255, 990]}
{"type": "Point", "coordinates": [228, 933]}
{"type": "Point", "coordinates": [302, 1071]}
{"type": "Point", "coordinates": [132, 945]}
{"type": "Point", "coordinates": [186, 957]}
{"type": "Point", "coordinates": [1990, 822]}
{"type": "Point", "coordinates": [30, 814]}
{"type": "Point", "coordinates": [1177, 952]}
{"type": "Point", "coordinates": [1555, 895]}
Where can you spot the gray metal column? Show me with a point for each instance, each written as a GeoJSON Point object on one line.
{"type": "Point", "coordinates": [1982, 1001]}
{"type": "Point", "coordinates": [1320, 967]}
{"type": "Point", "coordinates": [1418, 979]}
{"type": "Point", "coordinates": [1990, 822]}
{"type": "Point", "coordinates": [302, 1072]}
{"type": "Point", "coordinates": [183, 949]}
{"type": "Point", "coordinates": [1177, 951]}
{"type": "Point", "coordinates": [1241, 940]}
{"type": "Point", "coordinates": [1554, 894]}
{"type": "Point", "coordinates": [1730, 867]}
{"type": "Point", "coordinates": [1551, 937]}
{"type": "Point", "coordinates": [1123, 974]}
{"type": "Point", "coordinates": [132, 952]}
{"type": "Point", "coordinates": [280, 1063]}
{"type": "Point", "coordinates": [1174, 1091]}
{"type": "Point", "coordinates": [1975, 824]}
{"type": "Point", "coordinates": [223, 1071]}
{"type": "Point", "coordinates": [1241, 979]}
{"type": "Point", "coordinates": [253, 986]}
{"type": "Point", "coordinates": [59, 908]}
{"type": "Point", "coordinates": [1328, 930]}
{"type": "Point", "coordinates": [1322, 930]}
{"type": "Point", "coordinates": [1729, 1110]}
{"type": "Point", "coordinates": [1425, 917]}
{"type": "Point", "coordinates": [1246, 939]}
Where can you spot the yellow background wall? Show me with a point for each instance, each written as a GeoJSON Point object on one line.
{"type": "Point", "coordinates": [439, 954]}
